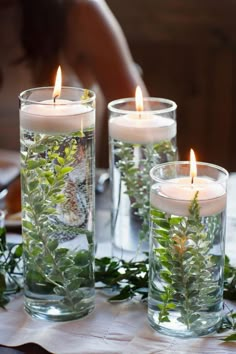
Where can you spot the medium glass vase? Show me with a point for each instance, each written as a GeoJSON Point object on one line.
{"type": "Point", "coordinates": [187, 242]}
{"type": "Point", "coordinates": [57, 183]}
{"type": "Point", "coordinates": [138, 141]}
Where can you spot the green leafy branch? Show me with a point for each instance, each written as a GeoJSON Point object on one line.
{"type": "Point", "coordinates": [43, 183]}
{"type": "Point", "coordinates": [184, 262]}
{"type": "Point", "coordinates": [125, 279]}
{"type": "Point", "coordinates": [135, 174]}
{"type": "Point", "coordinates": [10, 268]}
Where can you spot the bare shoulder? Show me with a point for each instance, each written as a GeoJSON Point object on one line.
{"type": "Point", "coordinates": [90, 26]}
{"type": "Point", "coordinates": [92, 6]}
{"type": "Point", "coordinates": [93, 13]}
{"type": "Point", "coordinates": [96, 36]}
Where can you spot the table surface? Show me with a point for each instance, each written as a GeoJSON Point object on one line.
{"type": "Point", "coordinates": [129, 317]}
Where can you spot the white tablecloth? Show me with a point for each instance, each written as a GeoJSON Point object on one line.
{"type": "Point", "coordinates": [110, 329]}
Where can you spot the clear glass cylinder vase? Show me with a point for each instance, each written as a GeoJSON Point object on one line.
{"type": "Point", "coordinates": [138, 140]}
{"type": "Point", "coordinates": [57, 184]}
{"type": "Point", "coordinates": [187, 242]}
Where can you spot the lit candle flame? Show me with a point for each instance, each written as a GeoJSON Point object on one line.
{"type": "Point", "coordinates": [57, 87]}
{"type": "Point", "coordinates": [193, 166]}
{"type": "Point", "coordinates": [139, 99]}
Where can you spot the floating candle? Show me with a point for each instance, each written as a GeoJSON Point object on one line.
{"type": "Point", "coordinates": [55, 115]}
{"type": "Point", "coordinates": [175, 195]}
{"type": "Point", "coordinates": [143, 126]}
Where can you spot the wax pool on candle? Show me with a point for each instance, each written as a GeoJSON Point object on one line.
{"type": "Point", "coordinates": [175, 196]}
{"type": "Point", "coordinates": [63, 116]}
{"type": "Point", "coordinates": [142, 128]}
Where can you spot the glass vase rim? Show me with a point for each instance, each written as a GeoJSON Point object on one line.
{"type": "Point", "coordinates": [63, 88]}
{"type": "Point", "coordinates": [173, 105]}
{"type": "Point", "coordinates": [223, 178]}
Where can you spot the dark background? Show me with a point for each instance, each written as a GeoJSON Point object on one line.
{"type": "Point", "coordinates": [186, 49]}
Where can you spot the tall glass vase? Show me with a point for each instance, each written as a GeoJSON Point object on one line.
{"type": "Point", "coordinates": [139, 139]}
{"type": "Point", "coordinates": [57, 182]}
{"type": "Point", "coordinates": [187, 238]}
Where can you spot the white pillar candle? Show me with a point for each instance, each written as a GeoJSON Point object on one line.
{"type": "Point", "coordinates": [176, 195]}
{"type": "Point", "coordinates": [142, 128]}
{"type": "Point", "coordinates": [63, 116]}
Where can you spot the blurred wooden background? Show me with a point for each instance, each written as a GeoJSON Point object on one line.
{"type": "Point", "coordinates": [187, 50]}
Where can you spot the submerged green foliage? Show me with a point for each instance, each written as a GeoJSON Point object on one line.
{"type": "Point", "coordinates": [50, 268]}
{"type": "Point", "coordinates": [134, 163]}
{"type": "Point", "coordinates": [184, 264]}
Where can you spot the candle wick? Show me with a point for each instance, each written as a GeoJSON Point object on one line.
{"type": "Point", "coordinates": [192, 180]}
{"type": "Point", "coordinates": [54, 98]}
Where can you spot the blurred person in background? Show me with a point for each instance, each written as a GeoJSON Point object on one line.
{"type": "Point", "coordinates": [82, 36]}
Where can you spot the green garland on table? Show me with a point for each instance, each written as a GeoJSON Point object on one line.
{"type": "Point", "coordinates": [10, 269]}
{"type": "Point", "coordinates": [124, 279]}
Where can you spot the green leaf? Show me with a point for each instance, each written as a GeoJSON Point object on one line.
{"type": "Point", "coordinates": [2, 283]}
{"type": "Point", "coordinates": [27, 224]}
{"type": "Point", "coordinates": [175, 220]}
{"type": "Point", "coordinates": [75, 284]}
{"type": "Point", "coordinates": [32, 164]}
{"type": "Point", "coordinates": [61, 160]}
{"type": "Point", "coordinates": [124, 294]}
{"type": "Point", "coordinates": [82, 258]}
{"type": "Point", "coordinates": [79, 134]}
{"type": "Point", "coordinates": [52, 245]}
{"type": "Point", "coordinates": [33, 185]}
{"type": "Point", "coordinates": [61, 252]}
{"type": "Point", "coordinates": [66, 170]}
{"type": "Point", "coordinates": [231, 337]}
{"type": "Point", "coordinates": [18, 251]}
{"type": "Point", "coordinates": [39, 148]}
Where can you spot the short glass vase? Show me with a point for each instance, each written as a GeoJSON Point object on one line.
{"type": "Point", "coordinates": [187, 242]}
